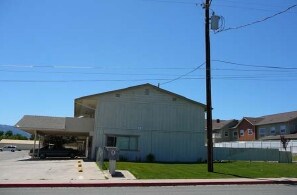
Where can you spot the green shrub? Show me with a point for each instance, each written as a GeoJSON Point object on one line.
{"type": "Point", "coordinates": [150, 157]}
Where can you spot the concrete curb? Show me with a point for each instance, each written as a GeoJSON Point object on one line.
{"type": "Point", "coordinates": [143, 183]}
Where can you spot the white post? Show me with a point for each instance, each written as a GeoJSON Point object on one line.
{"type": "Point", "coordinates": [87, 147]}
{"type": "Point", "coordinates": [112, 167]}
{"type": "Point", "coordinates": [38, 144]}
{"type": "Point", "coordinates": [35, 134]}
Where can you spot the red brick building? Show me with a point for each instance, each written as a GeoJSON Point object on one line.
{"type": "Point", "coordinates": [247, 128]}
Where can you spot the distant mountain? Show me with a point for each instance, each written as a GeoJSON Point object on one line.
{"type": "Point", "coordinates": [14, 130]}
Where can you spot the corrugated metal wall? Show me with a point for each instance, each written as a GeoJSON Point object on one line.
{"type": "Point", "coordinates": [252, 154]}
{"type": "Point", "coordinates": [171, 128]}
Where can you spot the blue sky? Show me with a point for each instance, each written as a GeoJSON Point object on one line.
{"type": "Point", "coordinates": [53, 51]}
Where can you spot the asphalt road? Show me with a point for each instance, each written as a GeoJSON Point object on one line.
{"type": "Point", "coordinates": [187, 190]}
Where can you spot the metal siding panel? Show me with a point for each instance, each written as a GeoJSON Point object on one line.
{"type": "Point", "coordinates": [171, 123]}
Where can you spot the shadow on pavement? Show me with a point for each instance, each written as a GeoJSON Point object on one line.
{"type": "Point", "coordinates": [118, 174]}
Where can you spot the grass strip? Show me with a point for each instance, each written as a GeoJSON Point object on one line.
{"type": "Point", "coordinates": [237, 169]}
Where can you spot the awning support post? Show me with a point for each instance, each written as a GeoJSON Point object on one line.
{"type": "Point", "coordinates": [87, 147]}
{"type": "Point", "coordinates": [35, 135]}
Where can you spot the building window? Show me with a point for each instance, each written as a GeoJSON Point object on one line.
{"type": "Point", "coordinates": [226, 134]}
{"type": "Point", "coordinates": [262, 132]}
{"type": "Point", "coordinates": [272, 131]}
{"type": "Point", "coordinates": [283, 129]}
{"type": "Point", "coordinates": [111, 141]}
{"type": "Point", "coordinates": [234, 133]}
{"type": "Point", "coordinates": [250, 131]}
{"type": "Point", "coordinates": [241, 132]}
{"type": "Point", "coordinates": [123, 142]}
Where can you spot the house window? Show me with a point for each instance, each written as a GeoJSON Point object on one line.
{"type": "Point", "coordinates": [283, 129]}
{"type": "Point", "coordinates": [262, 132]}
{"type": "Point", "coordinates": [241, 132]}
{"type": "Point", "coordinates": [234, 133]}
{"type": "Point", "coordinates": [272, 131]}
{"type": "Point", "coordinates": [250, 131]}
{"type": "Point", "coordinates": [123, 142]}
{"type": "Point", "coordinates": [226, 134]}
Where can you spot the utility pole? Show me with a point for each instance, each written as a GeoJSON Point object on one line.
{"type": "Point", "coordinates": [208, 90]}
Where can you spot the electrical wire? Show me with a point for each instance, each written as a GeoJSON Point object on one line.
{"type": "Point", "coordinates": [257, 66]}
{"type": "Point", "coordinates": [168, 1]}
{"type": "Point", "coordinates": [175, 79]}
{"type": "Point", "coordinates": [89, 73]}
{"type": "Point", "coordinates": [257, 21]}
{"type": "Point", "coordinates": [90, 67]}
{"type": "Point", "coordinates": [264, 68]}
{"type": "Point", "coordinates": [239, 77]}
{"type": "Point", "coordinates": [244, 3]}
{"type": "Point", "coordinates": [250, 8]}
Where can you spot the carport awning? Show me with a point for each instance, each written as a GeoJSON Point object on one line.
{"type": "Point", "coordinates": [48, 125]}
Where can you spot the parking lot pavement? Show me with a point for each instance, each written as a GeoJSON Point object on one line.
{"type": "Point", "coordinates": [18, 166]}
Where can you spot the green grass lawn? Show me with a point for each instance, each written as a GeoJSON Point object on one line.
{"type": "Point", "coordinates": [236, 169]}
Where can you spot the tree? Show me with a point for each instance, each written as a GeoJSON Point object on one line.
{"type": "Point", "coordinates": [19, 137]}
{"type": "Point", "coordinates": [284, 141]}
{"type": "Point", "coordinates": [1, 133]}
{"type": "Point", "coordinates": [8, 134]}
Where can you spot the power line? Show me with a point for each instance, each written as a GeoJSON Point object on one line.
{"type": "Point", "coordinates": [216, 77]}
{"type": "Point", "coordinates": [168, 1]}
{"type": "Point", "coordinates": [258, 66]}
{"type": "Point", "coordinates": [75, 81]}
{"type": "Point", "coordinates": [249, 8]}
{"type": "Point", "coordinates": [89, 73]}
{"type": "Point", "coordinates": [198, 67]}
{"type": "Point", "coordinates": [88, 67]}
{"type": "Point", "coordinates": [250, 70]}
{"type": "Point", "coordinates": [257, 21]}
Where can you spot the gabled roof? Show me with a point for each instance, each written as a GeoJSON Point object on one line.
{"type": "Point", "coordinates": [251, 120]}
{"type": "Point", "coordinates": [270, 119]}
{"type": "Point", "coordinates": [278, 118]}
{"type": "Point", "coordinates": [254, 120]}
{"type": "Point", "coordinates": [219, 124]}
{"type": "Point", "coordinates": [95, 96]}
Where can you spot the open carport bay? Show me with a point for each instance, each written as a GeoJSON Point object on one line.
{"type": "Point", "coordinates": [18, 166]}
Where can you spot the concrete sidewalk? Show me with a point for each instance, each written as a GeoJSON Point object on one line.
{"type": "Point", "coordinates": [147, 183]}
{"type": "Point", "coordinates": [18, 170]}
